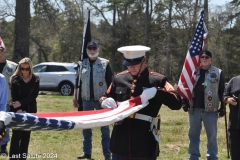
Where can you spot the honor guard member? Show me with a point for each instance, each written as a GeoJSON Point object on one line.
{"type": "Point", "coordinates": [204, 107]}
{"type": "Point", "coordinates": [231, 96]}
{"type": "Point", "coordinates": [137, 136]}
{"type": "Point", "coordinates": [95, 77]}
{"type": "Point", "coordinates": [7, 68]}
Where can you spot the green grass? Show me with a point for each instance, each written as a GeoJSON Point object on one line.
{"type": "Point", "coordinates": [67, 145]}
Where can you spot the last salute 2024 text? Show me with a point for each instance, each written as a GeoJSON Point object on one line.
{"type": "Point", "coordinates": [43, 155]}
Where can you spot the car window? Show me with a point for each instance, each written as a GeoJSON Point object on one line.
{"type": "Point", "coordinates": [62, 68]}
{"type": "Point", "coordinates": [40, 68]}
{"type": "Point", "coordinates": [54, 68]}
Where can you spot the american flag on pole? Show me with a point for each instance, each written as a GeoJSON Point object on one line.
{"type": "Point", "coordinates": [71, 120]}
{"type": "Point", "coordinates": [192, 61]}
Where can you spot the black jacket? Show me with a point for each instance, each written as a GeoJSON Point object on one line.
{"type": "Point", "coordinates": [131, 138]}
{"type": "Point", "coordinates": [233, 88]}
{"type": "Point", "coordinates": [25, 93]}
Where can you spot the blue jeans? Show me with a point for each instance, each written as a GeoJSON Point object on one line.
{"type": "Point", "coordinates": [209, 120]}
{"type": "Point", "coordinates": [87, 133]}
{"type": "Point", "coordinates": [114, 157]}
{"type": "Point", "coordinates": [6, 138]}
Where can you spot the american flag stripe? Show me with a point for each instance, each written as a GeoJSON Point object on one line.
{"type": "Point", "coordinates": [93, 114]}
{"type": "Point", "coordinates": [192, 61]}
{"type": "Point", "coordinates": [187, 79]}
{"type": "Point", "coordinates": [73, 120]}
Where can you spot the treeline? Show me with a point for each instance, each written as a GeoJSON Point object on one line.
{"type": "Point", "coordinates": [167, 26]}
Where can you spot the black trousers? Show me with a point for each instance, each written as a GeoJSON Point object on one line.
{"type": "Point", "coordinates": [234, 143]}
{"type": "Point", "coordinates": [19, 144]}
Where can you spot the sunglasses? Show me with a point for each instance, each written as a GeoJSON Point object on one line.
{"type": "Point", "coordinates": [206, 57]}
{"type": "Point", "coordinates": [91, 48]}
{"type": "Point", "coordinates": [25, 69]}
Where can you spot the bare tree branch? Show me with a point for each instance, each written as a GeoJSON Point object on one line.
{"type": "Point", "coordinates": [99, 10]}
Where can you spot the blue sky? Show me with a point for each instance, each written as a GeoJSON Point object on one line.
{"type": "Point", "coordinates": [218, 2]}
{"type": "Point", "coordinates": [214, 2]}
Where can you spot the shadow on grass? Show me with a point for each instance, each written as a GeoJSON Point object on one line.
{"type": "Point", "coordinates": [49, 93]}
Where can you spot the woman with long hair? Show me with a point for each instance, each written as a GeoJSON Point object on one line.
{"type": "Point", "coordinates": [24, 85]}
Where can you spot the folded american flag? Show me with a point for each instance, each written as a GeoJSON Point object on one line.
{"type": "Point", "coordinates": [71, 120]}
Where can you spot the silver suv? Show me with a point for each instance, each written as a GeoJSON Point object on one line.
{"type": "Point", "coordinates": [56, 76]}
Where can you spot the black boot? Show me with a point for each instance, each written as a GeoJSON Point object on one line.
{"type": "Point", "coordinates": [84, 156]}
{"type": "Point", "coordinates": [4, 151]}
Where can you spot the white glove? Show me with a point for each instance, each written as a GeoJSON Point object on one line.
{"type": "Point", "coordinates": [148, 94]}
{"type": "Point", "coordinates": [5, 117]}
{"type": "Point", "coordinates": [109, 103]}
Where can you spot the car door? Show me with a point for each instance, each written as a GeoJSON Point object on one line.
{"type": "Point", "coordinates": [39, 71]}
{"type": "Point", "coordinates": [53, 76]}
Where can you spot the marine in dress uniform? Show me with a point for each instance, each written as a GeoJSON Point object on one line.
{"type": "Point", "coordinates": [133, 138]}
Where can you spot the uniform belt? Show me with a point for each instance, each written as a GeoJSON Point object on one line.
{"type": "Point", "coordinates": [141, 117]}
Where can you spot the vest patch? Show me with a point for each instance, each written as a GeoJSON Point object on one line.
{"type": "Point", "coordinates": [209, 98]}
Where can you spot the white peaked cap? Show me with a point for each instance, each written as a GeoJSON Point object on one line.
{"type": "Point", "coordinates": [133, 54]}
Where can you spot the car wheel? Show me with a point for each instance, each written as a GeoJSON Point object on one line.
{"type": "Point", "coordinates": [66, 89]}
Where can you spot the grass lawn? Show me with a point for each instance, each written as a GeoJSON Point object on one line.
{"type": "Point", "coordinates": [67, 145]}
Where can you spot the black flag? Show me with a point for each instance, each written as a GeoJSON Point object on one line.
{"type": "Point", "coordinates": [86, 36]}
{"type": "Point", "coordinates": [83, 52]}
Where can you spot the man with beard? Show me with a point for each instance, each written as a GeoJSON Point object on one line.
{"type": "Point", "coordinates": [95, 77]}
{"type": "Point", "coordinates": [204, 108]}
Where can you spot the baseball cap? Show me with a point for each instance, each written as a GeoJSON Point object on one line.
{"type": "Point", "coordinates": [92, 43]}
{"type": "Point", "coordinates": [208, 53]}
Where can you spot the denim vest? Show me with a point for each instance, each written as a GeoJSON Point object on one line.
{"type": "Point", "coordinates": [8, 71]}
{"type": "Point", "coordinates": [99, 81]}
{"type": "Point", "coordinates": [211, 83]}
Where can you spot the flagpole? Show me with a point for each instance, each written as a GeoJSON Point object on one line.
{"type": "Point", "coordinates": [83, 54]}
{"type": "Point", "coordinates": [226, 132]}
{"type": "Point", "coordinates": [87, 19]}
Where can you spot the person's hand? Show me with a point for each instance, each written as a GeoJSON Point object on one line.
{"type": "Point", "coordinates": [109, 103]}
{"type": "Point", "coordinates": [16, 104]}
{"type": "Point", "coordinates": [5, 117]}
{"type": "Point", "coordinates": [75, 103]}
{"type": "Point", "coordinates": [221, 112]}
{"type": "Point", "coordinates": [232, 100]}
{"type": "Point", "coordinates": [186, 107]}
{"type": "Point", "coordinates": [102, 99]}
{"type": "Point", "coordinates": [147, 94]}
{"type": "Point", "coordinates": [20, 111]}
{"type": "Point", "coordinates": [2, 130]}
